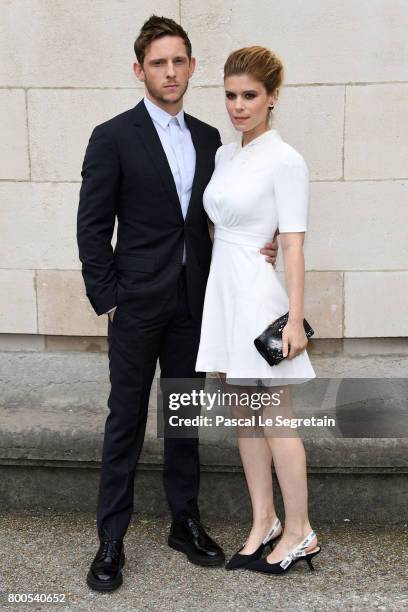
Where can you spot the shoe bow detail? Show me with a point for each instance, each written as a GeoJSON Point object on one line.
{"type": "Point", "coordinates": [298, 551]}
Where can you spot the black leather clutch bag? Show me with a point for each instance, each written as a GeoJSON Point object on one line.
{"type": "Point", "coordinates": [269, 343]}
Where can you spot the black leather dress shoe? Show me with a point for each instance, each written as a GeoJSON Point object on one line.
{"type": "Point", "coordinates": [105, 572]}
{"type": "Point", "coordinates": [188, 536]}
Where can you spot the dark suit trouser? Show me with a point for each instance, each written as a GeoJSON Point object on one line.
{"type": "Point", "coordinates": [135, 345]}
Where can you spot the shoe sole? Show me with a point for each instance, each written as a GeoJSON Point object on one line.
{"type": "Point", "coordinates": [180, 546]}
{"type": "Point", "coordinates": [95, 585]}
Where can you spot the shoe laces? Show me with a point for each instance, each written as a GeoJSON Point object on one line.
{"type": "Point", "coordinates": [196, 527]}
{"type": "Point", "coordinates": [110, 548]}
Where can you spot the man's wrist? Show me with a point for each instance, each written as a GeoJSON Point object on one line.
{"type": "Point", "coordinates": [111, 313]}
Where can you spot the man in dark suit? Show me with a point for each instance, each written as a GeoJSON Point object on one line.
{"type": "Point", "coordinates": [149, 167]}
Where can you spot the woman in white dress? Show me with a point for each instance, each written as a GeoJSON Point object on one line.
{"type": "Point", "coordinates": [259, 185]}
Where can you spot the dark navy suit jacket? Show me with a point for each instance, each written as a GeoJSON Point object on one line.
{"type": "Point", "coordinates": [126, 175]}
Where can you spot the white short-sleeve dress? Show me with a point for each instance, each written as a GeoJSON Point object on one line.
{"type": "Point", "coordinates": [254, 190]}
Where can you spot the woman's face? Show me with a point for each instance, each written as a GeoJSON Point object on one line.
{"type": "Point", "coordinates": [247, 102]}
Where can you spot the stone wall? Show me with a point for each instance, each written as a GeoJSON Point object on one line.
{"type": "Point", "coordinates": [67, 65]}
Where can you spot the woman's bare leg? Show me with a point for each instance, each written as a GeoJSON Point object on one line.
{"type": "Point", "coordinates": [290, 466]}
{"type": "Point", "coordinates": [256, 458]}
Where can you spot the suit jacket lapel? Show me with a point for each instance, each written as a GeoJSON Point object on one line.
{"type": "Point", "coordinates": [153, 146]}
{"type": "Point", "coordinates": [195, 137]}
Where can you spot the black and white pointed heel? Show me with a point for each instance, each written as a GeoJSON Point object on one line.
{"type": "Point", "coordinates": [238, 560]}
{"type": "Point", "coordinates": [296, 554]}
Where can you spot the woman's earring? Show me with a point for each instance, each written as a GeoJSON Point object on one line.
{"type": "Point", "coordinates": [271, 107]}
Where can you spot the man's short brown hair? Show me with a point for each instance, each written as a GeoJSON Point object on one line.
{"type": "Point", "coordinates": [156, 27]}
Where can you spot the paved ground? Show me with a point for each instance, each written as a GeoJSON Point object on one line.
{"type": "Point", "coordinates": [359, 569]}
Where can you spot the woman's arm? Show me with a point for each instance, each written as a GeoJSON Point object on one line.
{"type": "Point", "coordinates": [294, 264]}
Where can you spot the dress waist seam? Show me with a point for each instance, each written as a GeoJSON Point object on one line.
{"type": "Point", "coordinates": [240, 238]}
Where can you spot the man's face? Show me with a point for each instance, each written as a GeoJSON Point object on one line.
{"type": "Point", "coordinates": [166, 70]}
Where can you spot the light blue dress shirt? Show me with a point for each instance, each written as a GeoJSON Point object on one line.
{"type": "Point", "coordinates": [179, 149]}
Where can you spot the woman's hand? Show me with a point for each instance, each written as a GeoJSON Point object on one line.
{"type": "Point", "coordinates": [293, 335]}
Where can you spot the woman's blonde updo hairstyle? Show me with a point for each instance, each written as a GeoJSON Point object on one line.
{"type": "Point", "coordinates": [258, 62]}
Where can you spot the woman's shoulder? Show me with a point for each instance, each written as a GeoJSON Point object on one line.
{"type": "Point", "coordinates": [225, 151]}
{"type": "Point", "coordinates": [287, 155]}
{"type": "Point", "coordinates": [226, 148]}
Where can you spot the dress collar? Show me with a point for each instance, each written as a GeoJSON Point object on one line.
{"type": "Point", "coordinates": [272, 133]}
{"type": "Point", "coordinates": [160, 116]}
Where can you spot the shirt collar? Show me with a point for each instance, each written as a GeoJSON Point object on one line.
{"type": "Point", "coordinates": [160, 116]}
